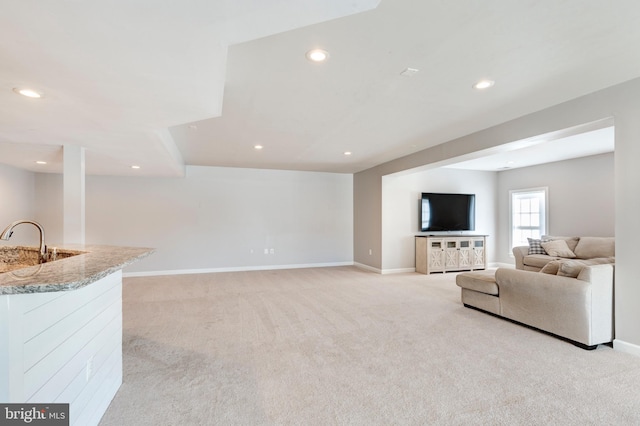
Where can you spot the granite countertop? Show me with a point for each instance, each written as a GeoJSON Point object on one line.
{"type": "Point", "coordinates": [71, 273]}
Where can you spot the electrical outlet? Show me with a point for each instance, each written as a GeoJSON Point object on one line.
{"type": "Point", "coordinates": [272, 251]}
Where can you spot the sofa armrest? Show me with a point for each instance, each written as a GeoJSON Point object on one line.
{"type": "Point", "coordinates": [601, 279]}
{"type": "Point", "coordinates": [519, 253]}
{"type": "Point", "coordinates": [577, 309]}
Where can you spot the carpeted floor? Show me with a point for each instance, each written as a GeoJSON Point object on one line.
{"type": "Point", "coordinates": [342, 346]}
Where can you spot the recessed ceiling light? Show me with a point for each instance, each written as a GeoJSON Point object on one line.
{"type": "Point", "coordinates": [135, 167]}
{"type": "Point", "coordinates": [347, 153]}
{"type": "Point", "coordinates": [484, 84]}
{"type": "Point", "coordinates": [193, 127]}
{"type": "Point", "coordinates": [317, 55]}
{"type": "Point", "coordinates": [258, 147]}
{"type": "Point", "coordinates": [41, 162]}
{"type": "Point", "coordinates": [28, 93]}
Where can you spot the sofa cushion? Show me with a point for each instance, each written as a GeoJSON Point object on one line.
{"type": "Point", "coordinates": [480, 281]}
{"type": "Point", "coordinates": [537, 260]}
{"type": "Point", "coordinates": [591, 247]}
{"type": "Point", "coordinates": [572, 267]}
{"type": "Point", "coordinates": [551, 267]}
{"type": "Point", "coordinates": [558, 248]}
{"type": "Point", "coordinates": [535, 246]}
{"type": "Point", "coordinates": [571, 241]}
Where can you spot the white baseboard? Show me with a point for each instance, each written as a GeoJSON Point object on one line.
{"type": "Point", "coordinates": [501, 265]}
{"type": "Point", "coordinates": [367, 267]}
{"type": "Point", "coordinates": [398, 270]}
{"type": "Point", "coordinates": [405, 270]}
{"type": "Point", "coordinates": [276, 267]}
{"type": "Point", "coordinates": [232, 269]}
{"type": "Point", "coordinates": [622, 346]}
{"type": "Point", "coordinates": [383, 271]}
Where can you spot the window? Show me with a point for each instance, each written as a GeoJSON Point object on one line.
{"type": "Point", "coordinates": [528, 215]}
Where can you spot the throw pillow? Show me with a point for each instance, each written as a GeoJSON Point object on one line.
{"type": "Point", "coordinates": [572, 242]}
{"type": "Point", "coordinates": [551, 267]}
{"type": "Point", "coordinates": [590, 247]}
{"type": "Point", "coordinates": [535, 246]}
{"type": "Point", "coordinates": [570, 268]}
{"type": "Point", "coordinates": [558, 248]}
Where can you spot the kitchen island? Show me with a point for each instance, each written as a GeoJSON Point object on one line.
{"type": "Point", "coordinates": [61, 330]}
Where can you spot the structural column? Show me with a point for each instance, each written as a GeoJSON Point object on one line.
{"type": "Point", "coordinates": [627, 291]}
{"type": "Point", "coordinates": [73, 195]}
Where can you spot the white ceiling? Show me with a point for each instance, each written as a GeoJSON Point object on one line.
{"type": "Point", "coordinates": [163, 84]}
{"type": "Point", "coordinates": [545, 150]}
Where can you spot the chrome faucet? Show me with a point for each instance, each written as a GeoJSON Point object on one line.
{"type": "Point", "coordinates": [8, 231]}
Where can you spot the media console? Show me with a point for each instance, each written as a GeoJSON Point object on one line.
{"type": "Point", "coordinates": [444, 253]}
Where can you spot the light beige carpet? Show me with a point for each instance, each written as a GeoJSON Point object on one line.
{"type": "Point", "coordinates": [342, 346]}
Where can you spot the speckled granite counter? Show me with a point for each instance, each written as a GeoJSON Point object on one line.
{"type": "Point", "coordinates": [73, 272]}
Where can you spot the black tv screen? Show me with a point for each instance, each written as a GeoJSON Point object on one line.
{"type": "Point", "coordinates": [447, 212]}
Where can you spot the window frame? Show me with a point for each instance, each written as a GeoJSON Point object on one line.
{"type": "Point", "coordinates": [544, 228]}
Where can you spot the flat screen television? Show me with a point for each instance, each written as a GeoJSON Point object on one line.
{"type": "Point", "coordinates": [447, 212]}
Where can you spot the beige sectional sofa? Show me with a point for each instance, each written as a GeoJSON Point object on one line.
{"type": "Point", "coordinates": [581, 248]}
{"type": "Point", "coordinates": [570, 297]}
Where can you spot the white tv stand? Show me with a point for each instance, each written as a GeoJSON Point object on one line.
{"type": "Point", "coordinates": [444, 253]}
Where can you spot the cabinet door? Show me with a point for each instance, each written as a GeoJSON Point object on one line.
{"type": "Point", "coordinates": [435, 256]}
{"type": "Point", "coordinates": [451, 254]}
{"type": "Point", "coordinates": [465, 255]}
{"type": "Point", "coordinates": [479, 253]}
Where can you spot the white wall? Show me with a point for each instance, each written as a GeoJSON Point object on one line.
{"type": "Point", "coordinates": [222, 218]}
{"type": "Point", "coordinates": [49, 204]}
{"type": "Point", "coordinates": [17, 195]}
{"type": "Point", "coordinates": [400, 201]}
{"type": "Point", "coordinates": [581, 197]}
{"type": "Point", "coordinates": [627, 190]}
{"type": "Point", "coordinates": [581, 202]}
